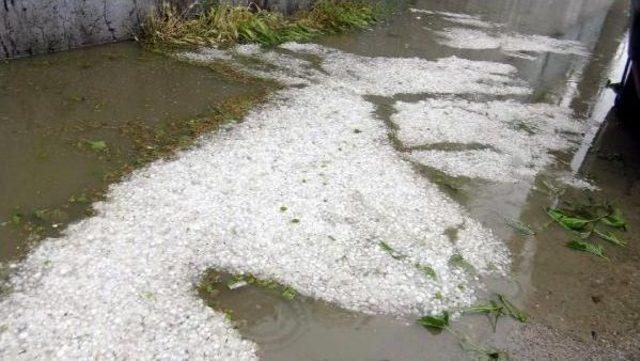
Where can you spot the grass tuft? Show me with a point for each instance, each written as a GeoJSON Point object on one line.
{"type": "Point", "coordinates": [225, 25]}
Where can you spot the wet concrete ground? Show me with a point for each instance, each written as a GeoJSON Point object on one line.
{"type": "Point", "coordinates": [581, 307]}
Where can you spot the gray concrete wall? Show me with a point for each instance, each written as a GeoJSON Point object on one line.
{"type": "Point", "coordinates": [30, 27]}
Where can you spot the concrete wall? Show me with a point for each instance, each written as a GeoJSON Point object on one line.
{"type": "Point", "coordinates": [30, 27]}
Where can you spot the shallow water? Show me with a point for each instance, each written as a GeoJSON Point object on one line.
{"type": "Point", "coordinates": [572, 293]}
{"type": "Point", "coordinates": [576, 301]}
{"type": "Point", "coordinates": [51, 106]}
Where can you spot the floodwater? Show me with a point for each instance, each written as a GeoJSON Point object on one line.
{"type": "Point", "coordinates": [581, 307]}
{"type": "Point", "coordinates": [52, 107]}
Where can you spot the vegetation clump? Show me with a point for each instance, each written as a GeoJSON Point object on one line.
{"type": "Point", "coordinates": [494, 309]}
{"type": "Point", "coordinates": [225, 25]}
{"type": "Point", "coordinates": [215, 283]}
{"type": "Point", "coordinates": [589, 221]}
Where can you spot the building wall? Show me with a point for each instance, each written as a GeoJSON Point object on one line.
{"type": "Point", "coordinates": [30, 27]}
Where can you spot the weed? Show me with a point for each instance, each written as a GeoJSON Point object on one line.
{"type": "Point", "coordinates": [214, 283]}
{"type": "Point", "coordinates": [16, 218]}
{"type": "Point", "coordinates": [551, 189]}
{"type": "Point", "coordinates": [236, 282]}
{"type": "Point", "coordinates": [150, 296]}
{"type": "Point", "coordinates": [587, 247]}
{"type": "Point", "coordinates": [229, 315]}
{"type": "Point", "coordinates": [427, 270]}
{"type": "Point", "coordinates": [570, 223]}
{"type": "Point", "coordinates": [97, 146]}
{"type": "Point", "coordinates": [521, 228]}
{"type": "Point", "coordinates": [611, 237]}
{"type": "Point", "coordinates": [438, 322]}
{"type": "Point", "coordinates": [78, 198]}
{"type": "Point", "coordinates": [512, 310]}
{"type": "Point", "coordinates": [487, 353]}
{"type": "Point", "coordinates": [289, 293]}
{"type": "Point", "coordinates": [497, 308]}
{"type": "Point", "coordinates": [614, 219]}
{"type": "Point", "coordinates": [392, 252]}
{"type": "Point", "coordinates": [590, 220]}
{"type": "Point", "coordinates": [224, 25]}
{"type": "Point", "coordinates": [458, 261]}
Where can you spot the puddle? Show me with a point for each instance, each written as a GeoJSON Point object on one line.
{"type": "Point", "coordinates": [580, 306]}
{"type": "Point", "coordinates": [306, 329]}
{"type": "Point", "coordinates": [53, 108]}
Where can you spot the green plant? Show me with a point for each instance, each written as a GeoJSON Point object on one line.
{"type": "Point", "coordinates": [441, 322]}
{"type": "Point", "coordinates": [590, 220]}
{"type": "Point", "coordinates": [392, 252]}
{"type": "Point", "coordinates": [427, 270]}
{"type": "Point", "coordinates": [458, 261]}
{"type": "Point", "coordinates": [224, 25]}
{"type": "Point", "coordinates": [521, 228]}
{"type": "Point", "coordinates": [437, 322]}
{"type": "Point", "coordinates": [289, 293]}
{"type": "Point", "coordinates": [587, 247]}
{"type": "Point", "coordinates": [497, 308]}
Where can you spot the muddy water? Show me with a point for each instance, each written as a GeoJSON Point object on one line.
{"type": "Point", "coordinates": [581, 307]}
{"type": "Point", "coordinates": [51, 107]}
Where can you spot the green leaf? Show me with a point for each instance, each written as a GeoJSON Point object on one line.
{"type": "Point", "coordinates": [289, 293]}
{"type": "Point", "coordinates": [97, 145]}
{"type": "Point", "coordinates": [521, 228]}
{"type": "Point", "coordinates": [236, 282]}
{"type": "Point", "coordinates": [608, 236]}
{"type": "Point", "coordinates": [392, 252]}
{"type": "Point", "coordinates": [438, 322]}
{"type": "Point", "coordinates": [427, 270]}
{"type": "Point", "coordinates": [505, 308]}
{"type": "Point", "coordinates": [458, 261]}
{"type": "Point", "coordinates": [497, 355]}
{"type": "Point", "coordinates": [40, 214]}
{"type": "Point", "coordinates": [587, 247]}
{"type": "Point", "coordinates": [570, 223]}
{"type": "Point", "coordinates": [484, 353]}
{"type": "Point", "coordinates": [490, 307]}
{"type": "Point", "coordinates": [615, 220]}
{"type": "Point", "coordinates": [511, 310]}
{"type": "Point", "coordinates": [16, 218]}
{"type": "Point", "coordinates": [552, 189]}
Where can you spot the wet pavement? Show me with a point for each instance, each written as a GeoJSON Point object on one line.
{"type": "Point", "coordinates": [581, 307]}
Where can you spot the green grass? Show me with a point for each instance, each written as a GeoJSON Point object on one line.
{"type": "Point", "coordinates": [224, 26]}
